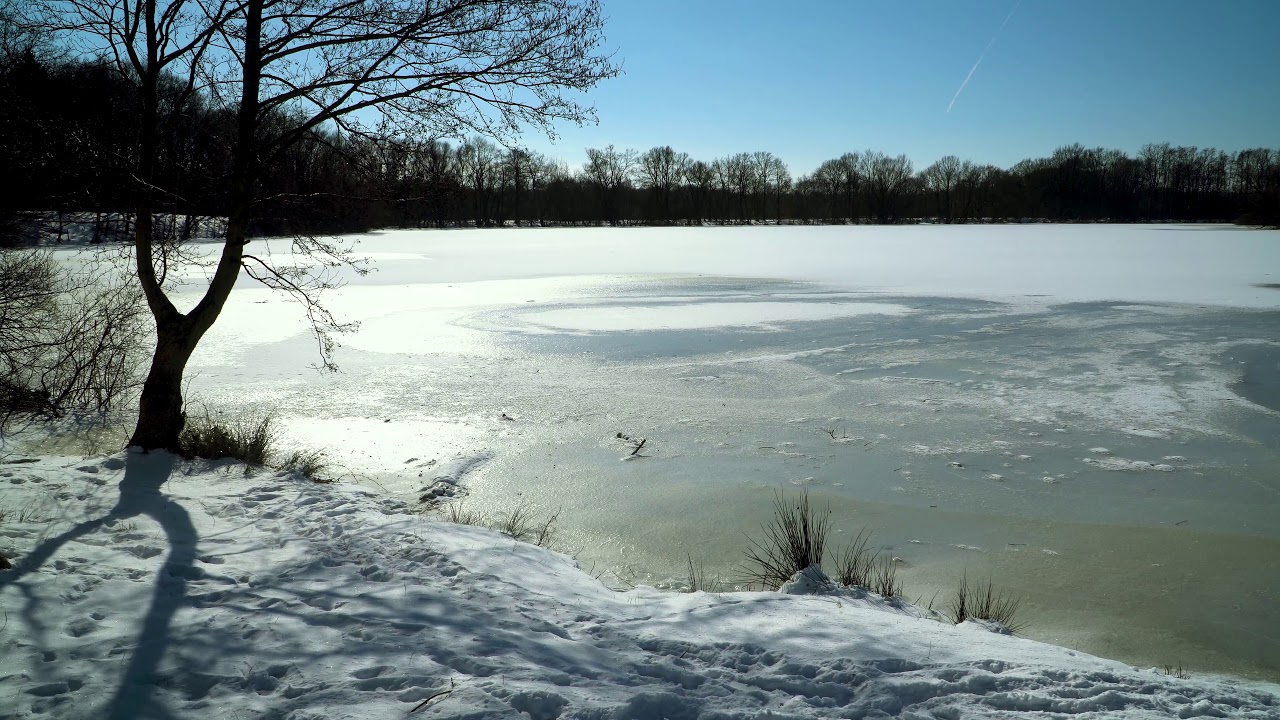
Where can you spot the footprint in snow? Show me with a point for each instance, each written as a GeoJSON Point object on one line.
{"type": "Point", "coordinates": [373, 573]}
{"type": "Point", "coordinates": [57, 688]}
{"type": "Point", "coordinates": [371, 672]}
{"type": "Point", "coordinates": [144, 551]}
{"type": "Point", "coordinates": [81, 627]}
{"type": "Point", "coordinates": [323, 603]}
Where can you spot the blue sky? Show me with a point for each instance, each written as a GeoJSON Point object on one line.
{"type": "Point", "coordinates": [811, 79]}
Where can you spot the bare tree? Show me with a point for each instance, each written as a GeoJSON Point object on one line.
{"type": "Point", "coordinates": [479, 167]}
{"type": "Point", "coordinates": [888, 178]}
{"type": "Point", "coordinates": [941, 179]}
{"type": "Point", "coordinates": [840, 180]}
{"type": "Point", "coordinates": [662, 170]}
{"type": "Point", "coordinates": [439, 172]}
{"type": "Point", "coordinates": [977, 183]}
{"type": "Point", "coordinates": [774, 180]}
{"type": "Point", "coordinates": [609, 170]}
{"type": "Point", "coordinates": [739, 176]}
{"type": "Point", "coordinates": [517, 178]}
{"type": "Point", "coordinates": [289, 69]}
{"type": "Point", "coordinates": [702, 179]}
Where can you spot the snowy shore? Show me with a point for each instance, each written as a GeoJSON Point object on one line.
{"type": "Point", "coordinates": [145, 586]}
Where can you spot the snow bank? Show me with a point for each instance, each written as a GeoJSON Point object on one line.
{"type": "Point", "coordinates": [147, 587]}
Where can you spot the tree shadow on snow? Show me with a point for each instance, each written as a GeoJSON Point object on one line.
{"type": "Point", "coordinates": [140, 494]}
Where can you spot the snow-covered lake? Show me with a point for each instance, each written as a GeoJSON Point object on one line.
{"type": "Point", "coordinates": [1089, 415]}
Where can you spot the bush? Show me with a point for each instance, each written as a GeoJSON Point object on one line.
{"type": "Point", "coordinates": [248, 440]}
{"type": "Point", "coordinates": [795, 539]}
{"type": "Point", "coordinates": [71, 344]}
{"type": "Point", "coordinates": [983, 602]}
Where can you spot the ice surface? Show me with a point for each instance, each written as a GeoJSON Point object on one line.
{"type": "Point", "coordinates": [618, 318]}
{"type": "Point", "coordinates": [1138, 264]}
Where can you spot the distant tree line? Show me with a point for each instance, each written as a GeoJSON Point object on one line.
{"type": "Point", "coordinates": [66, 126]}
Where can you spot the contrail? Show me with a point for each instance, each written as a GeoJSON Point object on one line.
{"type": "Point", "coordinates": [974, 69]}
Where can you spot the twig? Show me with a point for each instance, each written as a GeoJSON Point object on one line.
{"type": "Point", "coordinates": [442, 693]}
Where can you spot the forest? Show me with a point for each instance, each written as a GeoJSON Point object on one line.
{"type": "Point", "coordinates": [67, 128]}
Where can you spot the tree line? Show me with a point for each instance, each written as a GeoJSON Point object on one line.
{"type": "Point", "coordinates": [68, 129]}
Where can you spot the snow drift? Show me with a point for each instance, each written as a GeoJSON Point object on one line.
{"type": "Point", "coordinates": [144, 586]}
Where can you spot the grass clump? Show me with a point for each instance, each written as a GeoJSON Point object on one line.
{"type": "Point", "coordinates": [795, 539]}
{"type": "Point", "coordinates": [311, 464]}
{"type": "Point", "coordinates": [458, 515]}
{"type": "Point", "coordinates": [884, 578]}
{"type": "Point", "coordinates": [248, 439]}
{"type": "Point", "coordinates": [983, 602]}
{"type": "Point", "coordinates": [520, 524]}
{"type": "Point", "coordinates": [859, 566]}
{"type": "Point", "coordinates": [697, 580]}
{"type": "Point", "coordinates": [855, 562]}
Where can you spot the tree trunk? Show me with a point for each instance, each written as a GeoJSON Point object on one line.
{"type": "Point", "coordinates": [160, 413]}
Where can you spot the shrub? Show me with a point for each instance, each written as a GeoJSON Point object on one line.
{"type": "Point", "coordinates": [795, 539]}
{"type": "Point", "coordinates": [248, 440]}
{"type": "Point", "coordinates": [70, 343]}
{"type": "Point", "coordinates": [984, 602]}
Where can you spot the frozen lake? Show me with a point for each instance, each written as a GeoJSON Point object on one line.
{"type": "Point", "coordinates": [1088, 415]}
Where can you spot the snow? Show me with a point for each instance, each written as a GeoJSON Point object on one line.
{"type": "Point", "coordinates": [148, 587]}
{"type": "Point", "coordinates": [809, 581]}
{"type": "Point", "coordinates": [1123, 464]}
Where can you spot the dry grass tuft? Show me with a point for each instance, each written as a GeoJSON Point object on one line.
{"type": "Point", "coordinates": [795, 539]}
{"type": "Point", "coordinates": [984, 602]}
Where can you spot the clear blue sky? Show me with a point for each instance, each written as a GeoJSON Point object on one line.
{"type": "Point", "coordinates": [811, 79]}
